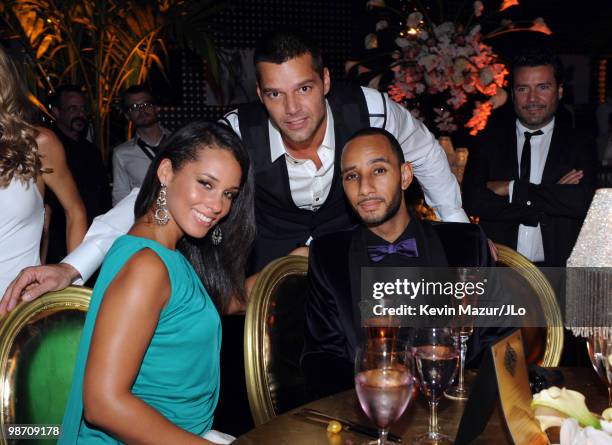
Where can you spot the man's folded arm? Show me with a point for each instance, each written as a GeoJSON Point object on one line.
{"type": "Point", "coordinates": [566, 200]}
{"type": "Point", "coordinates": [480, 201]}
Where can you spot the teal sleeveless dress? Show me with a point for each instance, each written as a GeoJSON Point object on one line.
{"type": "Point", "coordinates": [179, 376]}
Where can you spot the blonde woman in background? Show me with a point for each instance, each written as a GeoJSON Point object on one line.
{"type": "Point", "coordinates": [31, 158]}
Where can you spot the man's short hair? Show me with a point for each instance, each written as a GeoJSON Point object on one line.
{"type": "Point", "coordinates": [375, 131]}
{"type": "Point", "coordinates": [56, 98]}
{"type": "Point", "coordinates": [537, 56]}
{"type": "Point", "coordinates": [282, 45]}
{"type": "Point", "coordinates": [135, 89]}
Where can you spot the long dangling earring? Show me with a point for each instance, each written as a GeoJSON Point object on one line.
{"type": "Point", "coordinates": [217, 236]}
{"type": "Point", "coordinates": [161, 215]}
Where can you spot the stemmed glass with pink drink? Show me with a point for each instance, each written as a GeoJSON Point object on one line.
{"type": "Point", "coordinates": [384, 380]}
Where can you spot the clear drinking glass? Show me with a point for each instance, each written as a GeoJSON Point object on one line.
{"type": "Point", "coordinates": [460, 391]}
{"type": "Point", "coordinates": [436, 361]}
{"type": "Point", "coordinates": [600, 353]}
{"type": "Point", "coordinates": [384, 380]}
{"type": "Point", "coordinates": [462, 328]}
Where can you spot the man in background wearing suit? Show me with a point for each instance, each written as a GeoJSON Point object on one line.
{"type": "Point", "coordinates": [531, 180]}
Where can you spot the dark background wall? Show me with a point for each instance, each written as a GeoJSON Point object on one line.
{"type": "Point", "coordinates": [329, 22]}
{"type": "Point", "coordinates": [581, 33]}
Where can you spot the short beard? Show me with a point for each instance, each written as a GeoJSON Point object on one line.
{"type": "Point", "coordinates": [392, 210]}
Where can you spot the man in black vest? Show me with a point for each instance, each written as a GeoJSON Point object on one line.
{"type": "Point", "coordinates": [295, 133]}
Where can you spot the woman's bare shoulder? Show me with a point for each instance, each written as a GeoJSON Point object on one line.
{"type": "Point", "coordinates": [144, 275]}
{"type": "Point", "coordinates": [47, 141]}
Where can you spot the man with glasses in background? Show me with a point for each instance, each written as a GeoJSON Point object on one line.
{"type": "Point", "coordinates": [132, 158]}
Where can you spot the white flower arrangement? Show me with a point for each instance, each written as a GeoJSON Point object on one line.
{"type": "Point", "coordinates": [444, 72]}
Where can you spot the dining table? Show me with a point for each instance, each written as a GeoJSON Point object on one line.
{"type": "Point", "coordinates": [292, 429]}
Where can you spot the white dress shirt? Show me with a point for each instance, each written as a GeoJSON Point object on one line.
{"type": "Point", "coordinates": [310, 187]}
{"type": "Point", "coordinates": [102, 233]}
{"type": "Point", "coordinates": [130, 165]}
{"type": "Point", "coordinates": [529, 242]}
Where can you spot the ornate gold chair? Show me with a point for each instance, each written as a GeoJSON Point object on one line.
{"type": "Point", "coordinates": [38, 346]}
{"type": "Point", "coordinates": [543, 345]}
{"type": "Point", "coordinates": [273, 335]}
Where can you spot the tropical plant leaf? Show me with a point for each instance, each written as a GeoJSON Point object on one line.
{"type": "Point", "coordinates": [108, 44]}
{"type": "Point", "coordinates": [38, 104]}
{"type": "Point", "coordinates": [44, 45]}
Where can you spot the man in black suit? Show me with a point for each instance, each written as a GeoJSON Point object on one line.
{"type": "Point", "coordinates": [531, 180]}
{"type": "Point", "coordinates": [374, 177]}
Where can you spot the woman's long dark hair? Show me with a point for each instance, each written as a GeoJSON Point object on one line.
{"type": "Point", "coordinates": [221, 268]}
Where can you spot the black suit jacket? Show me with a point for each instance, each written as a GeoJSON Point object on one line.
{"type": "Point", "coordinates": [559, 208]}
{"type": "Point", "coordinates": [332, 319]}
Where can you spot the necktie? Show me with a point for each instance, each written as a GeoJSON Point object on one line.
{"type": "Point", "coordinates": [407, 247]}
{"type": "Point", "coordinates": [526, 155]}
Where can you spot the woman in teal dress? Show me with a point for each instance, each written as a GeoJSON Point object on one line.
{"type": "Point", "coordinates": [147, 370]}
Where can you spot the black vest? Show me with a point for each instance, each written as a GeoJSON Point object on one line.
{"type": "Point", "coordinates": [281, 225]}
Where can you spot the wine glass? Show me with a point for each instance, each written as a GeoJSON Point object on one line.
{"type": "Point", "coordinates": [460, 391]}
{"type": "Point", "coordinates": [463, 327]}
{"type": "Point", "coordinates": [599, 347]}
{"type": "Point", "coordinates": [436, 360]}
{"type": "Point", "coordinates": [384, 379]}
{"type": "Point", "coordinates": [382, 327]}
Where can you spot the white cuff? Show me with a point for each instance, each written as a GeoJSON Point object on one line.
{"type": "Point", "coordinates": [218, 437]}
{"type": "Point", "coordinates": [85, 259]}
{"type": "Point", "coordinates": [88, 256]}
{"type": "Point", "coordinates": [452, 215]}
{"type": "Point", "coordinates": [510, 190]}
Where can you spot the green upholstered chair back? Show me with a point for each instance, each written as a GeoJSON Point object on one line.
{"type": "Point", "coordinates": [38, 346]}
